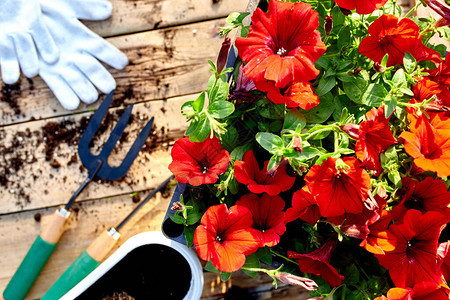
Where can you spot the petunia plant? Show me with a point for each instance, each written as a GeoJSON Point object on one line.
{"type": "Point", "coordinates": [323, 150]}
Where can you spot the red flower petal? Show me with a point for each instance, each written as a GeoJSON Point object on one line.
{"type": "Point", "coordinates": [362, 6]}
{"type": "Point", "coordinates": [338, 192]}
{"type": "Point", "coordinates": [318, 262]}
{"type": "Point", "coordinates": [303, 207]}
{"type": "Point", "coordinates": [198, 163]}
{"type": "Point", "coordinates": [268, 216]}
{"type": "Point", "coordinates": [248, 172]}
{"type": "Point", "coordinates": [299, 94]}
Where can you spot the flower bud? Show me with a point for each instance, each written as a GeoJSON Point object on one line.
{"type": "Point", "coordinates": [435, 108]}
{"type": "Point", "coordinates": [328, 24]}
{"type": "Point", "coordinates": [274, 170]}
{"type": "Point", "coordinates": [223, 55]}
{"type": "Point", "coordinates": [297, 144]}
{"type": "Point", "coordinates": [351, 129]}
{"type": "Point", "coordinates": [178, 206]}
{"type": "Point", "coordinates": [378, 67]}
{"type": "Point", "coordinates": [306, 283]}
{"type": "Point", "coordinates": [357, 71]}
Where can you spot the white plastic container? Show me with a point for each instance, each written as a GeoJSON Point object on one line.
{"type": "Point", "coordinates": [145, 238]}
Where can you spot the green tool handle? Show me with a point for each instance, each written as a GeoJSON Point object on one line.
{"type": "Point", "coordinates": [88, 260]}
{"type": "Point", "coordinates": [36, 258]}
{"type": "Point", "coordinates": [79, 269]}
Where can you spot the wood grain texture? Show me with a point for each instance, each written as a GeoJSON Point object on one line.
{"type": "Point", "coordinates": [131, 16]}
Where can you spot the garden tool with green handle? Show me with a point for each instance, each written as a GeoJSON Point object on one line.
{"type": "Point", "coordinates": [90, 258]}
{"type": "Point", "coordinates": [97, 165]}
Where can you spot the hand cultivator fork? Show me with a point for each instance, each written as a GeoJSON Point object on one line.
{"type": "Point", "coordinates": [97, 165]}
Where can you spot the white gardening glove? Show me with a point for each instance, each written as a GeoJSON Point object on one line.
{"type": "Point", "coordinates": [77, 72]}
{"type": "Point", "coordinates": [22, 30]}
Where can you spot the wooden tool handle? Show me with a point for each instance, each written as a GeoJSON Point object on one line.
{"type": "Point", "coordinates": [55, 228]}
{"type": "Point", "coordinates": [103, 244]}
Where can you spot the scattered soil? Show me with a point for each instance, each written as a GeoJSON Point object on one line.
{"type": "Point", "coordinates": [10, 94]}
{"type": "Point", "coordinates": [119, 296]}
{"type": "Point", "coordinates": [57, 141]}
{"type": "Point", "coordinates": [136, 198]}
{"type": "Point", "coordinates": [37, 217]}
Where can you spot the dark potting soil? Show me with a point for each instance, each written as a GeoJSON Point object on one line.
{"type": "Point", "coordinates": [147, 272]}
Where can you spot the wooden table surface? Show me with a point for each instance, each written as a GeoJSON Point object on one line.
{"type": "Point", "coordinates": [168, 44]}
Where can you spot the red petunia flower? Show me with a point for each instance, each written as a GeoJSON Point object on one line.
{"type": "Point", "coordinates": [268, 217]}
{"type": "Point", "coordinates": [303, 207]}
{"type": "Point", "coordinates": [338, 191]}
{"type": "Point", "coordinates": [226, 237]}
{"type": "Point", "coordinates": [317, 262]}
{"type": "Point", "coordinates": [198, 163]}
{"type": "Point", "coordinates": [428, 142]}
{"type": "Point", "coordinates": [414, 258]}
{"type": "Point", "coordinates": [375, 137]}
{"type": "Point", "coordinates": [424, 89]}
{"type": "Point", "coordinates": [389, 35]}
{"type": "Point", "coordinates": [282, 45]}
{"type": "Point", "coordinates": [258, 181]}
{"type": "Point", "coordinates": [441, 75]}
{"type": "Point", "coordinates": [428, 195]}
{"type": "Point", "coordinates": [299, 94]}
{"type": "Point", "coordinates": [362, 7]}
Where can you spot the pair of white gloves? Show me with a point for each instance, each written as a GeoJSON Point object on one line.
{"type": "Point", "coordinates": [46, 38]}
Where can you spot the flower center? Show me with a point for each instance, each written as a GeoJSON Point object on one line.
{"type": "Point", "coordinates": [414, 203]}
{"type": "Point", "coordinates": [205, 168]}
{"type": "Point", "coordinates": [281, 51]}
{"type": "Point", "coordinates": [219, 239]}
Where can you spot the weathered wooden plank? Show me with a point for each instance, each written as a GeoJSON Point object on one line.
{"type": "Point", "coordinates": [131, 16]}
{"type": "Point", "coordinates": [39, 164]}
{"type": "Point", "coordinates": [163, 63]}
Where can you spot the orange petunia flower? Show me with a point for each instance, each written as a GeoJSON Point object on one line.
{"type": "Point", "coordinates": [428, 142]}
{"type": "Point", "coordinates": [389, 35]}
{"type": "Point", "coordinates": [226, 237]}
{"type": "Point", "coordinates": [338, 191]}
{"type": "Point", "coordinates": [282, 45]}
{"type": "Point", "coordinates": [441, 75]}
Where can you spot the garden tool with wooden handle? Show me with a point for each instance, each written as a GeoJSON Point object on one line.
{"type": "Point", "coordinates": [97, 165]}
{"type": "Point", "coordinates": [91, 257]}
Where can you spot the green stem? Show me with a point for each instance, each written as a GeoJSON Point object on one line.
{"type": "Point", "coordinates": [283, 257]}
{"type": "Point", "coordinates": [413, 9]}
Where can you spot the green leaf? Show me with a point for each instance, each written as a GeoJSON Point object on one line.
{"type": "Point", "coordinates": [264, 255]}
{"type": "Point", "coordinates": [352, 274]}
{"type": "Point", "coordinates": [224, 276]}
{"type": "Point", "coordinates": [232, 18]}
{"type": "Point", "coordinates": [193, 217]}
{"type": "Point", "coordinates": [356, 88]}
{"type": "Point", "coordinates": [239, 152]}
{"type": "Point", "coordinates": [270, 110]}
{"type": "Point", "coordinates": [385, 60]}
{"type": "Point", "coordinates": [211, 268]}
{"type": "Point", "coordinates": [197, 105]}
{"type": "Point", "coordinates": [409, 62]}
{"type": "Point", "coordinates": [321, 112]}
{"type": "Point", "coordinates": [320, 134]}
{"type": "Point", "coordinates": [233, 186]}
{"type": "Point", "coordinates": [293, 119]}
{"type": "Point", "coordinates": [187, 109]}
{"type": "Point", "coordinates": [251, 261]}
{"type": "Point", "coordinates": [326, 84]}
{"type": "Point", "coordinates": [323, 157]}
{"type": "Point", "coordinates": [390, 105]}
{"type": "Point", "coordinates": [374, 95]}
{"type": "Point", "coordinates": [230, 139]}
{"type": "Point", "coordinates": [221, 109]}
{"type": "Point", "coordinates": [399, 78]}
{"type": "Point", "coordinates": [269, 141]}
{"type": "Point", "coordinates": [219, 90]}
{"type": "Point", "coordinates": [344, 37]}
{"type": "Point", "coordinates": [189, 235]}
{"type": "Point", "coordinates": [395, 177]}
{"type": "Point", "coordinates": [201, 131]}
{"type": "Point", "coordinates": [176, 218]}
{"type": "Point", "coordinates": [307, 153]}
{"type": "Point", "coordinates": [274, 160]}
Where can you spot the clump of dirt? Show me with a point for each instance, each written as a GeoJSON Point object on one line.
{"type": "Point", "coordinates": [10, 94]}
